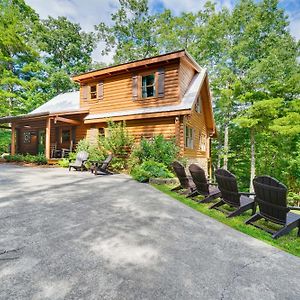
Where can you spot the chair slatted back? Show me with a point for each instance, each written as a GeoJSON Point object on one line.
{"type": "Point", "coordinates": [81, 157]}
{"type": "Point", "coordinates": [199, 179]}
{"type": "Point", "coordinates": [181, 174]}
{"type": "Point", "coordinates": [271, 196]}
{"type": "Point", "coordinates": [228, 187]}
{"type": "Point", "coordinates": [107, 161]}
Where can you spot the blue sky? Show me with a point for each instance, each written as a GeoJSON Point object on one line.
{"type": "Point", "coordinates": [91, 12]}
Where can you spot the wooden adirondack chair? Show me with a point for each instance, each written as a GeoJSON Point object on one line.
{"type": "Point", "coordinates": [271, 197]}
{"type": "Point", "coordinates": [230, 195]}
{"type": "Point", "coordinates": [101, 168]}
{"type": "Point", "coordinates": [81, 158]}
{"type": "Point", "coordinates": [186, 183]}
{"type": "Point", "coordinates": [203, 187]}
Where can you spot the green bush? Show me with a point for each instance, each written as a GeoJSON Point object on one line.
{"type": "Point", "coordinates": [118, 141]}
{"type": "Point", "coordinates": [4, 140]}
{"type": "Point", "coordinates": [28, 158]}
{"type": "Point", "coordinates": [157, 149]}
{"type": "Point", "coordinates": [64, 162]}
{"type": "Point", "coordinates": [150, 169]}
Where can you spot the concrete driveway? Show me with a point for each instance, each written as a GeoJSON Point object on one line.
{"type": "Point", "coordinates": [77, 236]}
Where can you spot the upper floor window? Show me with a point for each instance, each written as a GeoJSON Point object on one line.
{"type": "Point", "coordinates": [198, 105]}
{"type": "Point", "coordinates": [93, 91]}
{"type": "Point", "coordinates": [148, 86]}
{"type": "Point", "coordinates": [189, 137]}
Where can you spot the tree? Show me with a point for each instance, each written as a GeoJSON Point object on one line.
{"type": "Point", "coordinates": [132, 35]}
{"type": "Point", "coordinates": [19, 57]}
{"type": "Point", "coordinates": [67, 47]}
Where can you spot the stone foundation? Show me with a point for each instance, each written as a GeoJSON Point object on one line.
{"type": "Point", "coordinates": [200, 161]}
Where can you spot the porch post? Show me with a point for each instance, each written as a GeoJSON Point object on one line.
{"type": "Point", "coordinates": [47, 142]}
{"type": "Point", "coordinates": [13, 139]}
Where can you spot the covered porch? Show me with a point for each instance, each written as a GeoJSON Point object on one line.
{"type": "Point", "coordinates": [54, 135]}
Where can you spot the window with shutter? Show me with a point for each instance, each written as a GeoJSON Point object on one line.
{"type": "Point", "coordinates": [148, 86]}
{"type": "Point", "coordinates": [93, 92]}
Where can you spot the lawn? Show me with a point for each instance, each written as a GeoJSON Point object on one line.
{"type": "Point", "coordinates": [289, 243]}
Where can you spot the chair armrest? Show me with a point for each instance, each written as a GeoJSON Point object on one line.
{"type": "Point", "coordinates": [246, 194]}
{"type": "Point", "coordinates": [294, 207]}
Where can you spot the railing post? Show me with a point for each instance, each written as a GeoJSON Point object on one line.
{"type": "Point", "coordinates": [47, 142]}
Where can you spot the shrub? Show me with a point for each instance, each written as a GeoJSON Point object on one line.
{"type": "Point", "coordinates": [4, 140]}
{"type": "Point", "coordinates": [118, 141]}
{"type": "Point", "coordinates": [39, 159]}
{"type": "Point", "coordinates": [157, 149]}
{"type": "Point", "coordinates": [150, 169]}
{"type": "Point", "coordinates": [64, 163]}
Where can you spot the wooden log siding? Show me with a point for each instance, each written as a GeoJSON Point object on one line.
{"type": "Point", "coordinates": [151, 127]}
{"type": "Point", "coordinates": [118, 93]}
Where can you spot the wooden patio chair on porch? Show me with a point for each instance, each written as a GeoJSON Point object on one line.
{"type": "Point", "coordinates": [231, 196]}
{"type": "Point", "coordinates": [203, 186]}
{"type": "Point", "coordinates": [81, 158]}
{"type": "Point", "coordinates": [186, 182]}
{"type": "Point", "coordinates": [271, 197]}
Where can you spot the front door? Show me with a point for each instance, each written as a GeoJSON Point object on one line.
{"type": "Point", "coordinates": [41, 141]}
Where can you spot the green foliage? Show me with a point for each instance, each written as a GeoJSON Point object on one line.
{"type": "Point", "coordinates": [39, 159]}
{"type": "Point", "coordinates": [94, 151]}
{"type": "Point", "coordinates": [64, 162]}
{"type": "Point", "coordinates": [117, 141]}
{"type": "Point", "coordinates": [150, 169]}
{"type": "Point", "coordinates": [132, 34]}
{"type": "Point", "coordinates": [158, 149]}
{"type": "Point", "coordinates": [5, 139]}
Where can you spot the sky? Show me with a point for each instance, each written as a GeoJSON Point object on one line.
{"type": "Point", "coordinates": [91, 12]}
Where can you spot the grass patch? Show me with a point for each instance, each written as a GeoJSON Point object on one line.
{"type": "Point", "coordinates": [289, 243]}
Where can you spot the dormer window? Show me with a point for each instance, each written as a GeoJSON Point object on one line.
{"type": "Point", "coordinates": [148, 86]}
{"type": "Point", "coordinates": [93, 91]}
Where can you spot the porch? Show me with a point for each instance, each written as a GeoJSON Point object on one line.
{"type": "Point", "coordinates": [51, 135]}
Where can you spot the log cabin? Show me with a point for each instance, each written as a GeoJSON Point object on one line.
{"type": "Point", "coordinates": [167, 94]}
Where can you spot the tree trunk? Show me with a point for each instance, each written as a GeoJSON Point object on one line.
{"type": "Point", "coordinates": [226, 147]}
{"type": "Point", "coordinates": [252, 167]}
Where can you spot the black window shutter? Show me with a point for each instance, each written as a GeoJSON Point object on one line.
{"type": "Point", "coordinates": [100, 90]}
{"type": "Point", "coordinates": [161, 82]}
{"type": "Point", "coordinates": [134, 87]}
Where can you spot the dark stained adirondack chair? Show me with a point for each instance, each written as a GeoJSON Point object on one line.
{"type": "Point", "coordinates": [271, 197]}
{"type": "Point", "coordinates": [78, 164]}
{"type": "Point", "coordinates": [186, 183]}
{"type": "Point", "coordinates": [230, 195]}
{"type": "Point", "coordinates": [203, 187]}
{"type": "Point", "coordinates": [101, 168]}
